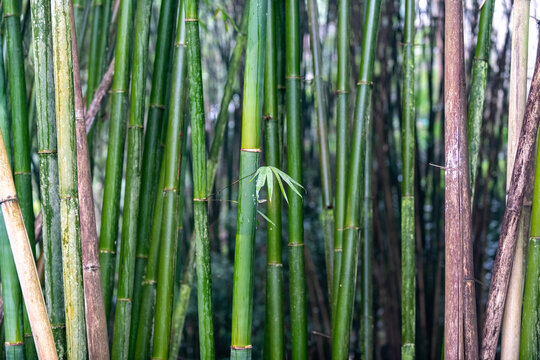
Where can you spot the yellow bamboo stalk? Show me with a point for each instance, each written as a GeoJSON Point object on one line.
{"type": "Point", "coordinates": [24, 261]}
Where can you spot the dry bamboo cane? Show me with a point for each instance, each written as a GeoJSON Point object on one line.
{"type": "Point", "coordinates": [24, 261]}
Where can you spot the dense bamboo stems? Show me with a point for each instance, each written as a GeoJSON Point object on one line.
{"type": "Point", "coordinates": [21, 136]}
{"type": "Point", "coordinates": [200, 201]}
{"type": "Point", "coordinates": [324, 153]}
{"type": "Point", "coordinates": [408, 261]}
{"type": "Point", "coordinates": [11, 292]}
{"type": "Point", "coordinates": [528, 348]}
{"type": "Point", "coordinates": [509, 228]}
{"type": "Point", "coordinates": [517, 101]}
{"type": "Point", "coordinates": [342, 130]}
{"type": "Point", "coordinates": [169, 222]}
{"type": "Point", "coordinates": [48, 170]}
{"type": "Point", "coordinates": [130, 219]}
{"type": "Point", "coordinates": [273, 331]}
{"type": "Point", "coordinates": [151, 161]}
{"type": "Point", "coordinates": [460, 307]}
{"type": "Point", "coordinates": [67, 171]}
{"type": "Point", "coordinates": [96, 321]}
{"type": "Point", "coordinates": [297, 277]}
{"type": "Point", "coordinates": [478, 87]}
{"type": "Point", "coordinates": [249, 162]}
{"type": "Point", "coordinates": [93, 62]}
{"type": "Point", "coordinates": [355, 184]}
{"type": "Point", "coordinates": [223, 116]}
{"type": "Point", "coordinates": [115, 153]}
{"type": "Point", "coordinates": [24, 260]}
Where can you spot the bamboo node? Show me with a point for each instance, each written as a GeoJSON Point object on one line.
{"type": "Point", "coordinates": [281, 87]}
{"type": "Point", "coordinates": [180, 44]}
{"type": "Point", "coordinates": [135, 126]}
{"type": "Point", "coordinates": [352, 227]}
{"type": "Point", "coordinates": [338, 250]}
{"type": "Point", "coordinates": [338, 91]}
{"type": "Point", "coordinates": [118, 91]}
{"type": "Point", "coordinates": [149, 282]}
{"type": "Point", "coordinates": [169, 189]}
{"type": "Point", "coordinates": [275, 264]}
{"type": "Point", "coordinates": [44, 152]}
{"type": "Point", "coordinates": [296, 244]}
{"type": "Point", "coordinates": [15, 343]}
{"type": "Point", "coordinates": [8, 199]}
{"type": "Point", "coordinates": [234, 347]}
{"type": "Point", "coordinates": [477, 58]}
{"type": "Point", "coordinates": [6, 15]}
{"type": "Point", "coordinates": [362, 82]}
{"type": "Point", "coordinates": [294, 77]}
{"type": "Point", "coordinates": [124, 299]}
{"type": "Point", "coordinates": [268, 117]}
{"type": "Point", "coordinates": [201, 200]}
{"type": "Point", "coordinates": [141, 256]}
{"type": "Point", "coordinates": [190, 20]}
{"type": "Point", "coordinates": [22, 173]}
{"type": "Point", "coordinates": [58, 326]}
{"type": "Point", "coordinates": [107, 251]}
{"type": "Point", "coordinates": [251, 150]}
{"type": "Point", "coordinates": [158, 106]}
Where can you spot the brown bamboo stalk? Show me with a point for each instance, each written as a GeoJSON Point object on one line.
{"type": "Point", "coordinates": [96, 322]}
{"type": "Point", "coordinates": [461, 340]}
{"type": "Point", "coordinates": [99, 95]}
{"type": "Point", "coordinates": [507, 241]}
{"type": "Point", "coordinates": [24, 261]}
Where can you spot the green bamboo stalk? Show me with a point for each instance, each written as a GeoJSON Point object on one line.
{"type": "Point", "coordinates": [528, 348]}
{"type": "Point", "coordinates": [408, 260]}
{"type": "Point", "coordinates": [130, 219]}
{"type": "Point", "coordinates": [342, 130]}
{"type": "Point", "coordinates": [169, 223]}
{"type": "Point", "coordinates": [115, 153]}
{"type": "Point", "coordinates": [200, 200]}
{"type": "Point", "coordinates": [21, 135]}
{"type": "Point", "coordinates": [96, 28]}
{"type": "Point", "coordinates": [355, 183]}
{"type": "Point", "coordinates": [324, 153]}
{"type": "Point", "coordinates": [297, 289]}
{"type": "Point", "coordinates": [477, 95]}
{"type": "Point", "coordinates": [151, 162]}
{"type": "Point", "coordinates": [11, 292]}
{"type": "Point", "coordinates": [48, 170]}
{"type": "Point", "coordinates": [511, 325]}
{"type": "Point", "coordinates": [67, 171]}
{"type": "Point", "coordinates": [223, 116]}
{"type": "Point", "coordinates": [273, 335]}
{"type": "Point", "coordinates": [249, 162]}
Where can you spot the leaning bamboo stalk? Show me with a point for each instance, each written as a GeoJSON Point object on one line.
{"type": "Point", "coordinates": [130, 218]}
{"type": "Point", "coordinates": [342, 130]}
{"type": "Point", "coordinates": [509, 228]}
{"type": "Point", "coordinates": [96, 321]}
{"type": "Point", "coordinates": [115, 153]}
{"type": "Point", "coordinates": [511, 325]}
{"type": "Point", "coordinates": [24, 260]}
{"type": "Point", "coordinates": [273, 330]}
{"type": "Point", "coordinates": [241, 346]}
{"type": "Point", "coordinates": [322, 134]}
{"type": "Point", "coordinates": [408, 260]}
{"type": "Point", "coordinates": [355, 187]}
{"type": "Point", "coordinates": [176, 135]}
{"type": "Point", "coordinates": [48, 170]}
{"type": "Point", "coordinates": [67, 171]}
{"type": "Point", "coordinates": [11, 291]}
{"type": "Point", "coordinates": [200, 190]}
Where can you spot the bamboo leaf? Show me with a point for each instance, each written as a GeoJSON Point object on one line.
{"type": "Point", "coordinates": [266, 217]}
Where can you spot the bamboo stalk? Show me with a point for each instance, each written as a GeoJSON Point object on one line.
{"type": "Point", "coordinates": [509, 228]}
{"type": "Point", "coordinates": [130, 219]}
{"type": "Point", "coordinates": [322, 133]}
{"type": "Point", "coordinates": [24, 260]}
{"type": "Point", "coordinates": [273, 332]}
{"type": "Point", "coordinates": [67, 171]}
{"type": "Point", "coordinates": [11, 292]}
{"type": "Point", "coordinates": [96, 321]}
{"type": "Point", "coordinates": [511, 324]}
{"type": "Point", "coordinates": [241, 346]}
{"type": "Point", "coordinates": [169, 219]}
{"type": "Point", "coordinates": [151, 159]}
{"type": "Point", "coordinates": [297, 282]}
{"type": "Point", "coordinates": [198, 141]}
{"type": "Point", "coordinates": [408, 260]}
{"type": "Point", "coordinates": [115, 153]}
{"type": "Point", "coordinates": [342, 130]}
{"type": "Point", "coordinates": [48, 166]}
{"type": "Point", "coordinates": [223, 116]}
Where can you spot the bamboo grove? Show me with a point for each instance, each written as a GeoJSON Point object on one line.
{"type": "Point", "coordinates": [274, 179]}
